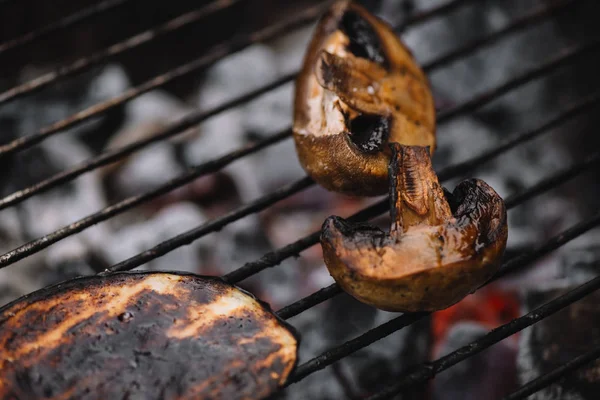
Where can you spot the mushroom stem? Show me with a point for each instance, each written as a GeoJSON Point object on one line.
{"type": "Point", "coordinates": [416, 196]}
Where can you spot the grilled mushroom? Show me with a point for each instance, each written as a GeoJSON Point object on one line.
{"type": "Point", "coordinates": [143, 335]}
{"type": "Point", "coordinates": [441, 245]}
{"type": "Point", "coordinates": [359, 89]}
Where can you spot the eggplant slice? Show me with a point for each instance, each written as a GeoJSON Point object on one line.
{"type": "Point", "coordinates": [149, 335]}
{"type": "Point", "coordinates": [359, 90]}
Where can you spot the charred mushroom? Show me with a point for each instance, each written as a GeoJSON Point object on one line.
{"type": "Point", "coordinates": [143, 335]}
{"type": "Point", "coordinates": [441, 245]}
{"type": "Point", "coordinates": [359, 89]}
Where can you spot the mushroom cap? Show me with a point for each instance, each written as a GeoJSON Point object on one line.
{"type": "Point", "coordinates": [359, 89]}
{"type": "Point", "coordinates": [424, 266]}
{"type": "Point", "coordinates": [146, 335]}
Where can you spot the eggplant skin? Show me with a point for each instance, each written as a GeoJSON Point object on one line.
{"type": "Point", "coordinates": [148, 335]}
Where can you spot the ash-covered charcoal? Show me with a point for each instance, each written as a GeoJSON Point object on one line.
{"type": "Point", "coordinates": [174, 219]}
{"type": "Point", "coordinates": [366, 371]}
{"type": "Point", "coordinates": [153, 165]}
{"type": "Point", "coordinates": [490, 374]}
{"type": "Point", "coordinates": [565, 335]}
{"type": "Point", "coordinates": [143, 335]}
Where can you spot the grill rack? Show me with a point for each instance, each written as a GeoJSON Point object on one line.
{"type": "Point", "coordinates": [64, 23]}
{"type": "Point", "coordinates": [423, 372]}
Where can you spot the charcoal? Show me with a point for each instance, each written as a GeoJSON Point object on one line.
{"type": "Point", "coordinates": [565, 335]}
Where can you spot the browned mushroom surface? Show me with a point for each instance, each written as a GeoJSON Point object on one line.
{"type": "Point", "coordinates": [359, 89]}
{"type": "Point", "coordinates": [441, 246]}
{"type": "Point", "coordinates": [142, 336]}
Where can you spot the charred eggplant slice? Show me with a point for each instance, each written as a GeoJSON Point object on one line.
{"type": "Point", "coordinates": [437, 251]}
{"type": "Point", "coordinates": [149, 335]}
{"type": "Point", "coordinates": [359, 90]}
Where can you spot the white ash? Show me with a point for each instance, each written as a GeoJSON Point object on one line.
{"type": "Point", "coordinates": [148, 169]}
{"type": "Point", "coordinates": [155, 164]}
{"type": "Point", "coordinates": [156, 105]}
{"type": "Point", "coordinates": [220, 135]}
{"type": "Point", "coordinates": [270, 112]}
{"type": "Point", "coordinates": [331, 324]}
{"type": "Point", "coordinates": [166, 224]}
{"type": "Point", "coordinates": [490, 374]}
{"type": "Point", "coordinates": [322, 384]}
{"type": "Point", "coordinates": [55, 103]}
{"type": "Point", "coordinates": [576, 265]}
{"type": "Point", "coordinates": [529, 371]}
{"type": "Point", "coordinates": [49, 211]}
{"type": "Point", "coordinates": [24, 277]}
{"type": "Point", "coordinates": [276, 166]}
{"type": "Point", "coordinates": [238, 74]}
{"type": "Point", "coordinates": [111, 82]}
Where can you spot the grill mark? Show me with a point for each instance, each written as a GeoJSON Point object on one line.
{"type": "Point", "coordinates": [56, 333]}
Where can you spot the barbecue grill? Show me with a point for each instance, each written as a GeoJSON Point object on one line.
{"type": "Point", "coordinates": [420, 374]}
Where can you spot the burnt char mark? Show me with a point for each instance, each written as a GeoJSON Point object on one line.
{"type": "Point", "coordinates": [335, 225]}
{"type": "Point", "coordinates": [473, 199]}
{"type": "Point", "coordinates": [369, 132]}
{"type": "Point", "coordinates": [364, 40]}
{"type": "Point", "coordinates": [477, 203]}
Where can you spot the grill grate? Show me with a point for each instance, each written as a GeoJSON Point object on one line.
{"type": "Point", "coordinates": [404, 320]}
{"type": "Point", "coordinates": [64, 23]}
{"type": "Point", "coordinates": [551, 377]}
{"type": "Point", "coordinates": [428, 371]}
{"type": "Point", "coordinates": [32, 247]}
{"type": "Point", "coordinates": [423, 372]}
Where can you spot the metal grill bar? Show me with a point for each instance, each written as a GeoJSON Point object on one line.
{"type": "Point", "coordinates": [212, 226]}
{"type": "Point", "coordinates": [28, 141]}
{"type": "Point", "coordinates": [35, 246]}
{"type": "Point", "coordinates": [310, 301]}
{"type": "Point", "coordinates": [546, 380]}
{"type": "Point", "coordinates": [197, 117]}
{"type": "Point", "coordinates": [434, 12]}
{"type": "Point", "coordinates": [525, 21]}
{"type": "Point", "coordinates": [64, 23]}
{"type": "Point", "coordinates": [216, 53]}
{"type": "Point", "coordinates": [111, 156]}
{"type": "Point", "coordinates": [564, 57]}
{"type": "Point", "coordinates": [429, 370]}
{"type": "Point", "coordinates": [514, 200]}
{"type": "Point", "coordinates": [388, 328]}
{"type": "Point", "coordinates": [86, 63]}
{"type": "Point", "coordinates": [275, 257]}
{"type": "Point", "coordinates": [108, 212]}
